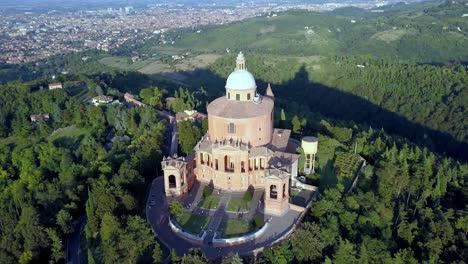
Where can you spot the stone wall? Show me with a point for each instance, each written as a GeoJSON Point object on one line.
{"type": "Point", "coordinates": [226, 242]}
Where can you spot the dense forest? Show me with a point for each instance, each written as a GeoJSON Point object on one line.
{"type": "Point", "coordinates": [82, 161]}
{"type": "Point", "coordinates": [409, 206]}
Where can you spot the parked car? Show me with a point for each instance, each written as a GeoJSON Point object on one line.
{"type": "Point", "coordinates": [302, 179]}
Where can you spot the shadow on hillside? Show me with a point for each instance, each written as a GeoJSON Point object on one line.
{"type": "Point", "coordinates": [309, 96]}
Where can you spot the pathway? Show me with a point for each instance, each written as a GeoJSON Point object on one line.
{"type": "Point", "coordinates": [174, 133]}
{"type": "Point", "coordinates": [73, 242]}
{"type": "Point", "coordinates": [217, 218]}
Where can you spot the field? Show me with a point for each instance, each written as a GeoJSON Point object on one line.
{"type": "Point", "coordinates": [390, 35]}
{"type": "Point", "coordinates": [157, 66]}
{"type": "Point", "coordinates": [8, 141]}
{"type": "Point", "coordinates": [69, 132]}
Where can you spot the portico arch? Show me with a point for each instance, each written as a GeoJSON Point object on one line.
{"type": "Point", "coordinates": [273, 192]}
{"type": "Point", "coordinates": [172, 181]}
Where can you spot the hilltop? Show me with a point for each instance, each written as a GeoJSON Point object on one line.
{"type": "Point", "coordinates": [420, 32]}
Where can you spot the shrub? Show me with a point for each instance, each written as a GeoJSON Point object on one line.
{"type": "Point", "coordinates": [247, 196]}
{"type": "Point", "coordinates": [258, 221]}
{"type": "Point", "coordinates": [176, 209]}
{"type": "Point", "coordinates": [207, 192]}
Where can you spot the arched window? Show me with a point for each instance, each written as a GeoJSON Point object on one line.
{"type": "Point", "coordinates": [273, 192]}
{"type": "Point", "coordinates": [172, 181]}
{"type": "Point", "coordinates": [231, 128]}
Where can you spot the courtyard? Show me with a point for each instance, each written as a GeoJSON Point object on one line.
{"type": "Point", "coordinates": [218, 216]}
{"type": "Point", "coordinates": [228, 214]}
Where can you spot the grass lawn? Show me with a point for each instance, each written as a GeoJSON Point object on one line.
{"type": "Point", "coordinates": [193, 223]}
{"type": "Point", "coordinates": [238, 227]}
{"type": "Point", "coordinates": [237, 204]}
{"type": "Point", "coordinates": [8, 140]}
{"type": "Point", "coordinates": [235, 227]}
{"type": "Point", "coordinates": [67, 136]}
{"type": "Point", "coordinates": [210, 202]}
{"type": "Point", "coordinates": [293, 193]}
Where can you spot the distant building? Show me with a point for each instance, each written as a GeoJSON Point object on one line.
{"type": "Point", "coordinates": [132, 101]}
{"type": "Point", "coordinates": [102, 99]}
{"type": "Point", "coordinates": [169, 99]}
{"type": "Point", "coordinates": [190, 115]}
{"type": "Point", "coordinates": [39, 117]}
{"type": "Point", "coordinates": [53, 86]}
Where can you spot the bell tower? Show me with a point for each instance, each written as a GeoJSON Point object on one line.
{"type": "Point", "coordinates": [277, 190]}
{"type": "Point", "coordinates": [178, 175]}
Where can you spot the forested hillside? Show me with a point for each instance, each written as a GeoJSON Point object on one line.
{"type": "Point", "coordinates": [425, 33]}
{"type": "Point", "coordinates": [409, 206]}
{"type": "Point", "coordinates": [82, 161]}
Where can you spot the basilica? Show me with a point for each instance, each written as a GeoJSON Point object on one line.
{"type": "Point", "coordinates": [241, 149]}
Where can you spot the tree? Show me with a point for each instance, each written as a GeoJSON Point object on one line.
{"type": "Point", "coordinates": [232, 259]}
{"type": "Point", "coordinates": [174, 257]}
{"type": "Point", "coordinates": [31, 231]}
{"type": "Point", "coordinates": [153, 96]}
{"type": "Point", "coordinates": [91, 257]}
{"type": "Point", "coordinates": [279, 254]}
{"type": "Point", "coordinates": [189, 134]}
{"type": "Point", "coordinates": [462, 224]}
{"type": "Point", "coordinates": [296, 125]}
{"type": "Point", "coordinates": [26, 257]}
{"type": "Point", "coordinates": [283, 115]}
{"type": "Point", "coordinates": [204, 126]}
{"type": "Point", "coordinates": [157, 254]}
{"type": "Point", "coordinates": [306, 243]}
{"type": "Point", "coordinates": [65, 221]}
{"type": "Point", "coordinates": [195, 256]}
{"type": "Point", "coordinates": [57, 249]}
{"type": "Point", "coordinates": [136, 239]}
{"type": "Point", "coordinates": [345, 253]}
{"type": "Point", "coordinates": [176, 209]}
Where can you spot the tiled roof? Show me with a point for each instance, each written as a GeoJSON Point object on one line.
{"type": "Point", "coordinates": [240, 109]}
{"type": "Point", "coordinates": [280, 139]}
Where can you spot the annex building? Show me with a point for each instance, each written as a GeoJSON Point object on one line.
{"type": "Point", "coordinates": [241, 149]}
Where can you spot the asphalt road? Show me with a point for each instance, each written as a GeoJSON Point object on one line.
{"type": "Point", "coordinates": [73, 242]}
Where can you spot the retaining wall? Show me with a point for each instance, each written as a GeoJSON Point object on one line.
{"type": "Point", "coordinates": [226, 242]}
{"type": "Point", "coordinates": [187, 236]}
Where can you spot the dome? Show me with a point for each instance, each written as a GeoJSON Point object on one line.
{"type": "Point", "coordinates": [241, 80]}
